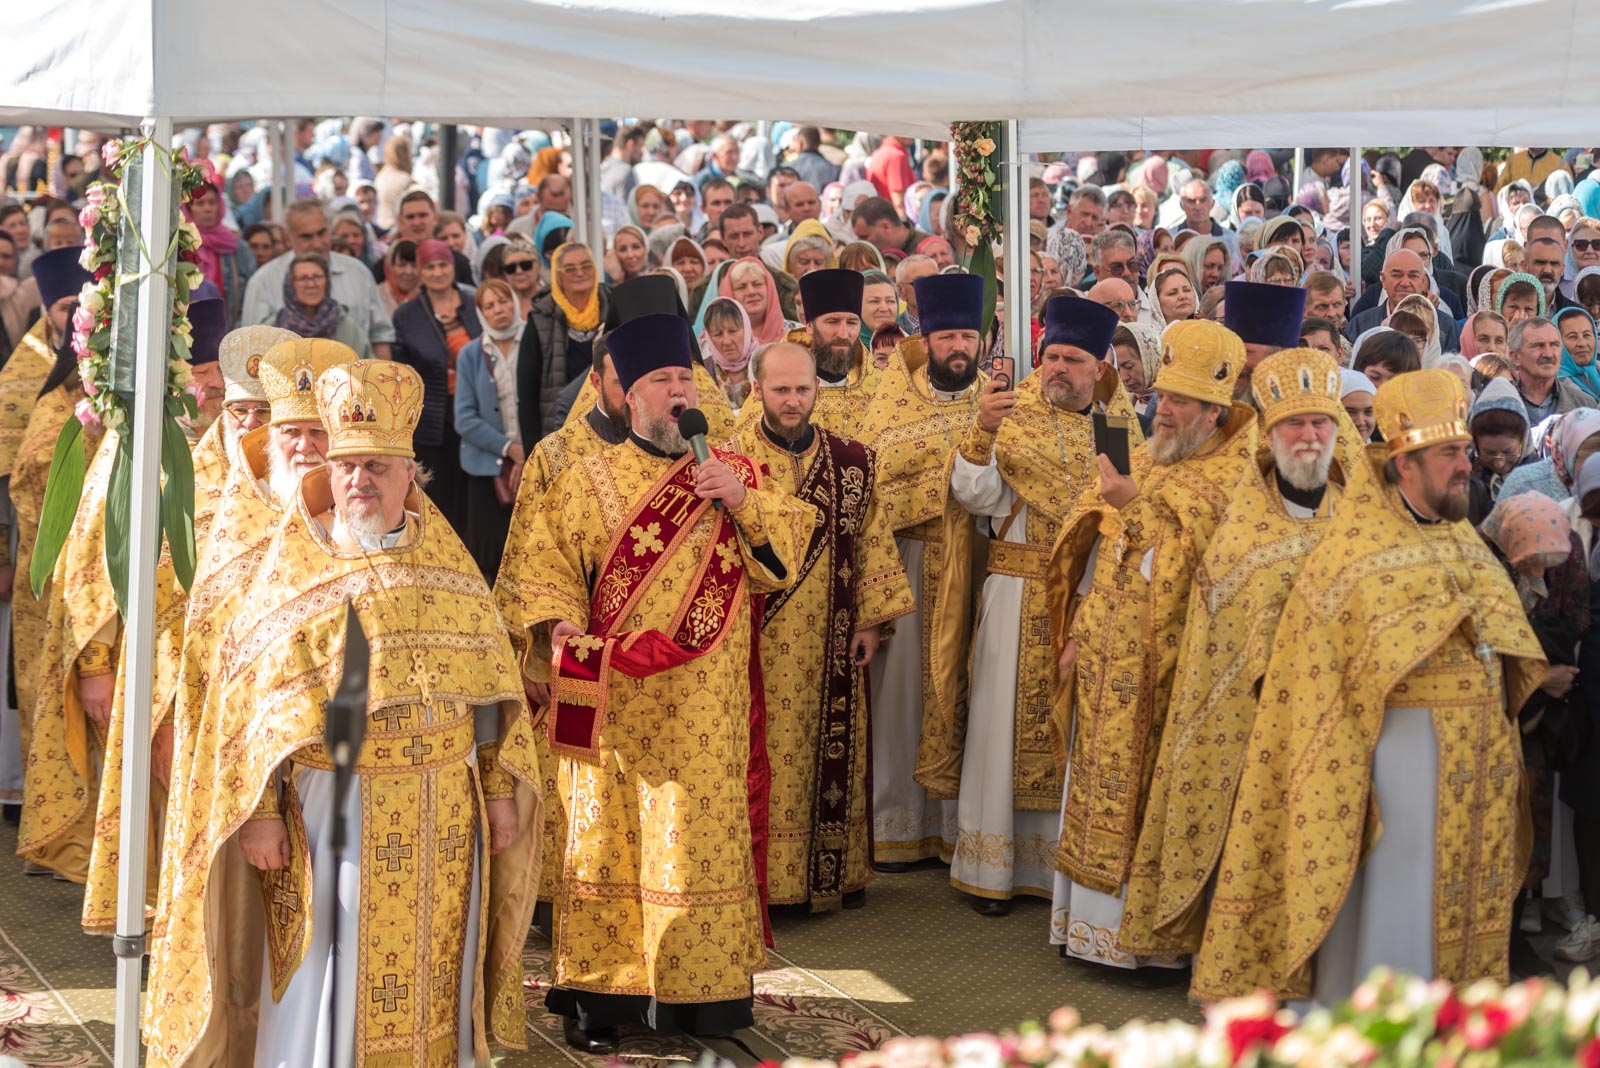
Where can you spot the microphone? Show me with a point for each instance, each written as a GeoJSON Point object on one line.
{"type": "Point", "coordinates": [692, 425]}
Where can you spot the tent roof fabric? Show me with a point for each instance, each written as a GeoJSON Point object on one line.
{"type": "Point", "coordinates": [1081, 74]}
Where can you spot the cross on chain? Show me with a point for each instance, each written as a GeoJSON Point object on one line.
{"type": "Point", "coordinates": [1125, 688]}
{"type": "Point", "coordinates": [453, 842]}
{"type": "Point", "coordinates": [1485, 652]}
{"type": "Point", "coordinates": [1460, 778]}
{"type": "Point", "coordinates": [418, 750]}
{"type": "Point", "coordinates": [393, 853]}
{"type": "Point", "coordinates": [1113, 784]}
{"type": "Point", "coordinates": [389, 993]}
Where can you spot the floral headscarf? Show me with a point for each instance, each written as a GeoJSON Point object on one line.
{"type": "Point", "coordinates": [1145, 245]}
{"type": "Point", "coordinates": [1258, 166]}
{"type": "Point", "coordinates": [1066, 245]}
{"type": "Point", "coordinates": [1575, 427]}
{"type": "Point", "coordinates": [1531, 530]}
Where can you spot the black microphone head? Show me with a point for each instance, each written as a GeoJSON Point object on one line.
{"type": "Point", "coordinates": [692, 423]}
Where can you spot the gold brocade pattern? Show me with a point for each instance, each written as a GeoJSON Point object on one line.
{"type": "Point", "coordinates": [1374, 621]}
{"type": "Point", "coordinates": [657, 893]}
{"type": "Point", "coordinates": [1127, 630]}
{"type": "Point", "coordinates": [915, 434]}
{"type": "Point", "coordinates": [57, 769]}
{"type": "Point", "coordinates": [20, 381]}
{"type": "Point", "coordinates": [1238, 595]}
{"type": "Point", "coordinates": [794, 655]}
{"type": "Point", "coordinates": [281, 657]}
{"type": "Point", "coordinates": [841, 408]}
{"type": "Point", "coordinates": [720, 416]}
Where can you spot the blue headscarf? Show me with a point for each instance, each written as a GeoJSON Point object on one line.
{"type": "Point", "coordinates": [1230, 176]}
{"type": "Point", "coordinates": [1585, 378]}
{"type": "Point", "coordinates": [1588, 194]}
{"type": "Point", "coordinates": [548, 222]}
{"type": "Point", "coordinates": [711, 294]}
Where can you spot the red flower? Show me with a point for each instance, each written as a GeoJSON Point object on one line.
{"type": "Point", "coordinates": [1449, 1015]}
{"type": "Point", "coordinates": [1589, 1055]}
{"type": "Point", "coordinates": [1487, 1026]}
{"type": "Point", "coordinates": [103, 271]}
{"type": "Point", "coordinates": [1245, 1034]}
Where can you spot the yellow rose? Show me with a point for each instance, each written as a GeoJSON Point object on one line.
{"type": "Point", "coordinates": [984, 145]}
{"type": "Point", "coordinates": [972, 235]}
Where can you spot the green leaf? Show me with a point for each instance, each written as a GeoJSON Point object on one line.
{"type": "Point", "coordinates": [62, 491]}
{"type": "Point", "coordinates": [177, 499]}
{"type": "Point", "coordinates": [180, 347]}
{"type": "Point", "coordinates": [119, 520]}
{"type": "Point", "coordinates": [982, 264]}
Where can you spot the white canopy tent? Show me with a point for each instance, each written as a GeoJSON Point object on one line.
{"type": "Point", "coordinates": [1072, 74]}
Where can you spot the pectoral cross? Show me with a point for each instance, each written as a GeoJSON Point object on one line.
{"type": "Point", "coordinates": [389, 993]}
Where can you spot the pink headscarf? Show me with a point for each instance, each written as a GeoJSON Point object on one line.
{"type": "Point", "coordinates": [215, 241]}
{"type": "Point", "coordinates": [1530, 529]}
{"type": "Point", "coordinates": [711, 356]}
{"type": "Point", "coordinates": [1258, 166]}
{"type": "Point", "coordinates": [1576, 427]}
{"type": "Point", "coordinates": [772, 325]}
{"type": "Point", "coordinates": [1153, 175]}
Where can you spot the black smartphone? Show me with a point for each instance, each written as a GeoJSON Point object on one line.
{"type": "Point", "coordinates": [1111, 439]}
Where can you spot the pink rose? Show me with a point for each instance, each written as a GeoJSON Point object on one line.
{"type": "Point", "coordinates": [88, 216]}
{"type": "Point", "coordinates": [80, 343]}
{"type": "Point", "coordinates": [83, 319]}
{"type": "Point", "coordinates": [197, 391]}
{"type": "Point", "coordinates": [88, 383]}
{"type": "Point", "coordinates": [109, 152]}
{"type": "Point", "coordinates": [96, 195]}
{"type": "Point", "coordinates": [86, 414]}
{"type": "Point", "coordinates": [207, 171]}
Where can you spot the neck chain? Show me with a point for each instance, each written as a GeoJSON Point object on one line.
{"type": "Point", "coordinates": [1483, 650]}
{"type": "Point", "coordinates": [1075, 489]}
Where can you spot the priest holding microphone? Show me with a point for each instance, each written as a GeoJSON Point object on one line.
{"type": "Point", "coordinates": [640, 592]}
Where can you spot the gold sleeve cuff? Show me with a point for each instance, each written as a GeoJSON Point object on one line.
{"type": "Point", "coordinates": [498, 783]}
{"type": "Point", "coordinates": [95, 660]}
{"type": "Point", "coordinates": [268, 809]}
{"type": "Point", "coordinates": [977, 448]}
{"type": "Point", "coordinates": [751, 519]}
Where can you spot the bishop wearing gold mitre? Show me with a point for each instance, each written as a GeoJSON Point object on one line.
{"type": "Point", "coordinates": [1280, 510]}
{"type": "Point", "coordinates": [916, 420]}
{"type": "Point", "coordinates": [634, 599]}
{"type": "Point", "coordinates": [1119, 591]}
{"type": "Point", "coordinates": [39, 395]}
{"type": "Point", "coordinates": [1019, 470]}
{"type": "Point", "coordinates": [819, 636]}
{"type": "Point", "coordinates": [74, 770]}
{"type": "Point", "coordinates": [434, 895]}
{"type": "Point", "coordinates": [1377, 816]}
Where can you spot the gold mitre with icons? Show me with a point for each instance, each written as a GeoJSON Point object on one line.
{"type": "Point", "coordinates": [1200, 359]}
{"type": "Point", "coordinates": [289, 373]}
{"type": "Point", "coordinates": [370, 408]}
{"type": "Point", "coordinates": [1296, 382]}
{"type": "Point", "coordinates": [1421, 408]}
{"type": "Point", "coordinates": [240, 355]}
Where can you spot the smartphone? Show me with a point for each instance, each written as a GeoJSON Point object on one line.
{"type": "Point", "coordinates": [1111, 439]}
{"type": "Point", "coordinates": [1003, 370]}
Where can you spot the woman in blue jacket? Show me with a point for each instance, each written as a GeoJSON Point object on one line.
{"type": "Point", "coordinates": [486, 419]}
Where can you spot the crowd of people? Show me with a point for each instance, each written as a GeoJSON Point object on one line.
{"type": "Point", "coordinates": [1240, 611]}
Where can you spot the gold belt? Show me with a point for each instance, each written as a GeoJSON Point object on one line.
{"type": "Point", "coordinates": [418, 749]}
{"type": "Point", "coordinates": [1018, 558]}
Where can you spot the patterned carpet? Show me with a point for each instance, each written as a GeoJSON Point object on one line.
{"type": "Point", "coordinates": [915, 960]}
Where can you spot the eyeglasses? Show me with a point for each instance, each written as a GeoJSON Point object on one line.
{"type": "Point", "coordinates": [1513, 453]}
{"type": "Point", "coordinates": [1122, 305]}
{"type": "Point", "coordinates": [1585, 244]}
{"type": "Point", "coordinates": [308, 279]}
{"type": "Point", "coordinates": [516, 266]}
{"type": "Point", "coordinates": [578, 268]}
{"type": "Point", "coordinates": [242, 410]}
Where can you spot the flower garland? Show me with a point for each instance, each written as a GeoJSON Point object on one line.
{"type": "Point", "coordinates": [977, 195]}
{"type": "Point", "coordinates": [103, 217]}
{"type": "Point", "coordinates": [1391, 1020]}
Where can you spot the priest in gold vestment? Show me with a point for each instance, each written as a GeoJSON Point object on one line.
{"type": "Point", "coordinates": [1118, 596]}
{"type": "Point", "coordinates": [916, 420]}
{"type": "Point", "coordinates": [432, 925]}
{"type": "Point", "coordinates": [1280, 510]}
{"type": "Point", "coordinates": [633, 601]}
{"type": "Point", "coordinates": [1377, 817]}
{"type": "Point", "coordinates": [818, 637]}
{"type": "Point", "coordinates": [1021, 468]}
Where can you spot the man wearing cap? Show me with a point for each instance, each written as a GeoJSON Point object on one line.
{"type": "Point", "coordinates": [447, 726]}
{"type": "Point", "coordinates": [77, 720]}
{"type": "Point", "coordinates": [631, 604]}
{"type": "Point", "coordinates": [1118, 595]}
{"type": "Point", "coordinates": [1377, 813]}
{"type": "Point", "coordinates": [818, 637]}
{"type": "Point", "coordinates": [916, 420]}
{"type": "Point", "coordinates": [846, 375]}
{"type": "Point", "coordinates": [1266, 317]}
{"type": "Point", "coordinates": [1021, 467]}
{"type": "Point", "coordinates": [1279, 511]}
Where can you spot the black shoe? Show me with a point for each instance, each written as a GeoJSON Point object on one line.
{"type": "Point", "coordinates": [11, 813]}
{"type": "Point", "coordinates": [890, 867]}
{"type": "Point", "coordinates": [854, 899]}
{"type": "Point", "coordinates": [990, 907]}
{"type": "Point", "coordinates": [596, 1040]}
{"type": "Point", "coordinates": [543, 914]}
{"type": "Point", "coordinates": [1148, 978]}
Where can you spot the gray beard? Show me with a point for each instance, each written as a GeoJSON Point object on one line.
{"type": "Point", "coordinates": [662, 432]}
{"type": "Point", "coordinates": [1168, 448]}
{"type": "Point", "coordinates": [364, 528]}
{"type": "Point", "coordinates": [282, 478]}
{"type": "Point", "coordinates": [230, 442]}
{"type": "Point", "coordinates": [1308, 473]}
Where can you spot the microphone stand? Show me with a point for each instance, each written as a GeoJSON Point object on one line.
{"type": "Point", "coordinates": [345, 718]}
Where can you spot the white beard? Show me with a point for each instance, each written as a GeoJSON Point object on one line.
{"type": "Point", "coordinates": [231, 437]}
{"type": "Point", "coordinates": [365, 528]}
{"type": "Point", "coordinates": [1301, 470]}
{"type": "Point", "coordinates": [283, 477]}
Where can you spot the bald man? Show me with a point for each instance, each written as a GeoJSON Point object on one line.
{"type": "Point", "coordinates": [1404, 273]}
{"type": "Point", "coordinates": [801, 201]}
{"type": "Point", "coordinates": [1117, 295]}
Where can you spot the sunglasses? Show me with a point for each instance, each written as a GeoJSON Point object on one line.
{"type": "Point", "coordinates": [578, 268]}
{"type": "Point", "coordinates": [1586, 244]}
{"type": "Point", "coordinates": [516, 266]}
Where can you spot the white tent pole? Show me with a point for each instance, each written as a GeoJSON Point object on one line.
{"type": "Point", "coordinates": [154, 310]}
{"type": "Point", "coordinates": [1019, 332]}
{"type": "Point", "coordinates": [1355, 220]}
{"type": "Point", "coordinates": [580, 183]}
{"type": "Point", "coordinates": [282, 171]}
{"type": "Point", "coordinates": [1299, 172]}
{"type": "Point", "coordinates": [597, 228]}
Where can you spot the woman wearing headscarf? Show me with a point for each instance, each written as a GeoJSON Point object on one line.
{"type": "Point", "coordinates": [1588, 194]}
{"type": "Point", "coordinates": [727, 342]}
{"type": "Point", "coordinates": [1278, 265]}
{"type": "Point", "coordinates": [1138, 353]}
{"type": "Point", "coordinates": [1424, 309]}
{"type": "Point", "coordinates": [861, 256]}
{"type": "Point", "coordinates": [1571, 438]}
{"type": "Point", "coordinates": [310, 311]}
{"type": "Point", "coordinates": [550, 233]}
{"type": "Point", "coordinates": [402, 278]}
{"type": "Point", "coordinates": [1066, 245]}
{"type": "Point", "coordinates": [1426, 197]}
{"type": "Point", "coordinates": [759, 295]}
{"type": "Point", "coordinates": [1484, 331]}
{"type": "Point", "coordinates": [1579, 340]}
{"type": "Point", "coordinates": [486, 418]}
{"type": "Point", "coordinates": [1169, 295]}
{"type": "Point", "coordinates": [1147, 246]}
{"type": "Point", "coordinates": [809, 248]}
{"type": "Point", "coordinates": [1210, 261]}
{"type": "Point", "coordinates": [222, 259]}
{"type": "Point", "coordinates": [646, 204]}
{"type": "Point", "coordinates": [1258, 166]}
{"type": "Point", "coordinates": [1520, 296]}
{"type": "Point", "coordinates": [1510, 199]}
{"type": "Point", "coordinates": [558, 345]}
{"type": "Point", "coordinates": [393, 180]}
{"type": "Point", "coordinates": [1586, 290]}
{"type": "Point", "coordinates": [686, 258]}
{"type": "Point", "coordinates": [929, 214]}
